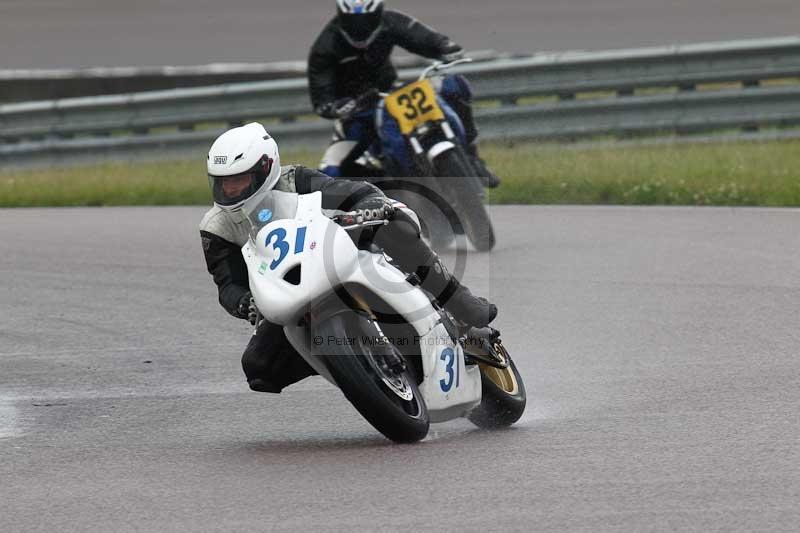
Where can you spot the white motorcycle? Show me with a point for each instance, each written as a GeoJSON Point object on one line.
{"type": "Point", "coordinates": [367, 328]}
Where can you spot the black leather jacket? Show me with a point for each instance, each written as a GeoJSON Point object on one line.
{"type": "Point", "coordinates": [338, 70]}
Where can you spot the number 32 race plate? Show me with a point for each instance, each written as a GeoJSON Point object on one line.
{"type": "Point", "coordinates": [413, 105]}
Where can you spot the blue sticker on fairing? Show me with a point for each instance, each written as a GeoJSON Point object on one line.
{"type": "Point", "coordinates": [264, 215]}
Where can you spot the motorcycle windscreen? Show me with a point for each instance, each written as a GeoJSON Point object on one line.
{"type": "Point", "coordinates": [274, 205]}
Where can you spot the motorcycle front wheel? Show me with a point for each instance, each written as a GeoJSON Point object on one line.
{"type": "Point", "coordinates": [386, 398]}
{"type": "Point", "coordinates": [504, 397]}
{"type": "Point", "coordinates": [467, 194]}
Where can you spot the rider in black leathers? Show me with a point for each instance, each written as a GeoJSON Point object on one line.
{"type": "Point", "coordinates": [352, 56]}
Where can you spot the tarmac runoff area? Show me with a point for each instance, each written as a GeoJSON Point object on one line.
{"type": "Point", "coordinates": [658, 347]}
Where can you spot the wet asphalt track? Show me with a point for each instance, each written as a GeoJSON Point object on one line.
{"type": "Point", "coordinates": [86, 33]}
{"type": "Point", "coordinates": [659, 347]}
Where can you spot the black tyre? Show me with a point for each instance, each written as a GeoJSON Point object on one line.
{"type": "Point", "coordinates": [504, 397]}
{"type": "Point", "coordinates": [424, 197]}
{"type": "Point", "coordinates": [390, 401]}
{"type": "Point", "coordinates": [467, 194]}
{"type": "Point", "coordinates": [435, 225]}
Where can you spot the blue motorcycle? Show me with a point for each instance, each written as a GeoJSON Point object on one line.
{"type": "Point", "coordinates": [419, 158]}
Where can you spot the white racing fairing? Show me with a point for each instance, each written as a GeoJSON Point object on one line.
{"type": "Point", "coordinates": [291, 232]}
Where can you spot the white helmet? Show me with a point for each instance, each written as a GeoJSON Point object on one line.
{"type": "Point", "coordinates": [242, 162]}
{"type": "Point", "coordinates": [360, 21]}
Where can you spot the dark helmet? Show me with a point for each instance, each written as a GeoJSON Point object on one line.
{"type": "Point", "coordinates": [359, 20]}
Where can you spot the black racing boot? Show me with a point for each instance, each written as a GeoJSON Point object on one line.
{"type": "Point", "coordinates": [456, 298]}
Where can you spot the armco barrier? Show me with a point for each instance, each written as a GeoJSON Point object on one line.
{"type": "Point", "coordinates": [132, 125]}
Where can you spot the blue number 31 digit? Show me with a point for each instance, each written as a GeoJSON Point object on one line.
{"type": "Point", "coordinates": [451, 367]}
{"type": "Point", "coordinates": [280, 244]}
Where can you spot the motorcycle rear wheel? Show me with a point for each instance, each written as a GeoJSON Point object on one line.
{"type": "Point", "coordinates": [388, 400]}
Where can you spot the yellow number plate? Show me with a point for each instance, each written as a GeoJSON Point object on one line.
{"type": "Point", "coordinates": [413, 105]}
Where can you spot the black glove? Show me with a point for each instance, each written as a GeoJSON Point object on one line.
{"type": "Point", "coordinates": [253, 312]}
{"type": "Point", "coordinates": [375, 208]}
{"type": "Point", "coordinates": [451, 52]}
{"type": "Point", "coordinates": [339, 109]}
{"type": "Point", "coordinates": [247, 308]}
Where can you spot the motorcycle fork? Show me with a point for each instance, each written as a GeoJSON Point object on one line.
{"type": "Point", "coordinates": [420, 159]}
{"type": "Point", "coordinates": [393, 360]}
{"type": "Point", "coordinates": [424, 138]}
{"type": "Point", "coordinates": [485, 347]}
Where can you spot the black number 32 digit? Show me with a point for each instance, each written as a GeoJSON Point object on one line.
{"type": "Point", "coordinates": [405, 100]}
{"type": "Point", "coordinates": [416, 103]}
{"type": "Point", "coordinates": [422, 101]}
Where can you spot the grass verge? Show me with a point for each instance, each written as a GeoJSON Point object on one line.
{"type": "Point", "coordinates": [723, 174]}
{"type": "Point", "coordinates": [741, 173]}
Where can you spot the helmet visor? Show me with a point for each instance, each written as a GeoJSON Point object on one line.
{"type": "Point", "coordinates": [236, 188]}
{"type": "Point", "coordinates": [230, 190]}
{"type": "Point", "coordinates": [360, 27]}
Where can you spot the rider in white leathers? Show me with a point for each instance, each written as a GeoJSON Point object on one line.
{"type": "Point", "coordinates": [243, 166]}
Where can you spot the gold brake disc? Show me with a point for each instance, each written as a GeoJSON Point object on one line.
{"type": "Point", "coordinates": [504, 378]}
